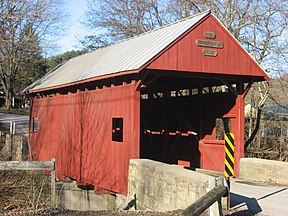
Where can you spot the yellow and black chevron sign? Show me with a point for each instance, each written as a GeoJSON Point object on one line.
{"type": "Point", "coordinates": [229, 155]}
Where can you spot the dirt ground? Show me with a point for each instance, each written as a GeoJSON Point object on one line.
{"type": "Point", "coordinates": [65, 212]}
{"type": "Point", "coordinates": [58, 212]}
{"type": "Point", "coordinates": [138, 213]}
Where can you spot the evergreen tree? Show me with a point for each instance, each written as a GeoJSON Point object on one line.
{"type": "Point", "coordinates": [54, 61]}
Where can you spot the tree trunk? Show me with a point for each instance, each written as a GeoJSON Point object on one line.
{"type": "Point", "coordinates": [8, 99]}
{"type": "Point", "coordinates": [258, 119]}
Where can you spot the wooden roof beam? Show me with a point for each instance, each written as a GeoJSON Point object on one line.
{"type": "Point", "coordinates": [229, 85]}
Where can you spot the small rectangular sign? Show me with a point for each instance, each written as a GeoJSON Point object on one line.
{"type": "Point", "coordinates": [212, 44]}
{"type": "Point", "coordinates": [210, 35]}
{"type": "Point", "coordinates": [206, 52]}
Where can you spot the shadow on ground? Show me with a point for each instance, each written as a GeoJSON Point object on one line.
{"type": "Point", "coordinates": [239, 201]}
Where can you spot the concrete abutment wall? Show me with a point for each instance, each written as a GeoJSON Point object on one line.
{"type": "Point", "coordinates": [163, 187]}
{"type": "Point", "coordinates": [75, 198]}
{"type": "Point", "coordinates": [156, 186]}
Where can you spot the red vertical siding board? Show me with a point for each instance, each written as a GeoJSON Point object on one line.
{"type": "Point", "coordinates": [75, 127]}
{"type": "Point", "coordinates": [213, 62]}
{"type": "Point", "coordinates": [225, 55]}
{"type": "Point", "coordinates": [221, 52]}
{"type": "Point", "coordinates": [181, 55]}
{"type": "Point", "coordinates": [173, 58]}
{"type": "Point", "coordinates": [236, 61]}
{"type": "Point", "coordinates": [197, 63]}
{"type": "Point", "coordinates": [135, 146]}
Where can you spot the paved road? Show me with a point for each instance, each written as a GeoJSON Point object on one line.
{"type": "Point", "coordinates": [259, 198]}
{"type": "Point", "coordinates": [21, 122]}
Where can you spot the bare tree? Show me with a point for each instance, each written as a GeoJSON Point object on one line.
{"type": "Point", "coordinates": [23, 24]}
{"type": "Point", "coordinates": [114, 20]}
{"type": "Point", "coordinates": [179, 9]}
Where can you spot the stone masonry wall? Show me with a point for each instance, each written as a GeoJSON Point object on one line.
{"type": "Point", "coordinates": [269, 171]}
{"type": "Point", "coordinates": [163, 187]}
{"type": "Point", "coordinates": [12, 150]}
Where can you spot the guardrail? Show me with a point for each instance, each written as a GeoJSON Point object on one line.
{"type": "Point", "coordinates": [207, 200]}
{"type": "Point", "coordinates": [34, 165]}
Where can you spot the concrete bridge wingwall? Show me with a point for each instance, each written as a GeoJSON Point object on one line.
{"type": "Point", "coordinates": [268, 171]}
{"type": "Point", "coordinates": [163, 187]}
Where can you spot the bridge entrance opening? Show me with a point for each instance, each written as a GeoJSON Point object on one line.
{"type": "Point", "coordinates": [179, 121]}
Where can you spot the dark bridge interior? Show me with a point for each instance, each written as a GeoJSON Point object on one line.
{"type": "Point", "coordinates": [176, 113]}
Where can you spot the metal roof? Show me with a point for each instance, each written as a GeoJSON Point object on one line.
{"type": "Point", "coordinates": [127, 55]}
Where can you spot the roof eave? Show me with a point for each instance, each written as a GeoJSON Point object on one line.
{"type": "Point", "coordinates": [80, 82]}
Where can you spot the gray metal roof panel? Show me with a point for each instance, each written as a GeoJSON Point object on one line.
{"type": "Point", "coordinates": [127, 55]}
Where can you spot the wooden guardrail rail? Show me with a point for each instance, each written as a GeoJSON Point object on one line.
{"type": "Point", "coordinates": [34, 165]}
{"type": "Point", "coordinates": [207, 200]}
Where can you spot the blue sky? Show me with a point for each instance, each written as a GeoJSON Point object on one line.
{"type": "Point", "coordinates": [76, 11]}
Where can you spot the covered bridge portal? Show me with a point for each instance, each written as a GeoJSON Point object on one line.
{"type": "Point", "coordinates": [163, 95]}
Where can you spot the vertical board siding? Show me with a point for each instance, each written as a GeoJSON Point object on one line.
{"type": "Point", "coordinates": [186, 55]}
{"type": "Point", "coordinates": [77, 130]}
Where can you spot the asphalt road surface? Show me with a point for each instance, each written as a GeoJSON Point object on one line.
{"type": "Point", "coordinates": [21, 123]}
{"type": "Point", "coordinates": [259, 198]}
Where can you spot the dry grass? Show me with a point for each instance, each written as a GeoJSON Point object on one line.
{"type": "Point", "coordinates": [22, 190]}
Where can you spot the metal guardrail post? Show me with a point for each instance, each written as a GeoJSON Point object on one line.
{"type": "Point", "coordinates": [12, 127]}
{"type": "Point", "coordinates": [228, 197]}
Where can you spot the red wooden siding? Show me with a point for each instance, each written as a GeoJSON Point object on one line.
{"type": "Point", "coordinates": [77, 130]}
{"type": "Point", "coordinates": [186, 55]}
{"type": "Point", "coordinates": [212, 150]}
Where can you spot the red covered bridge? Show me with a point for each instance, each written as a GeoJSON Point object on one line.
{"type": "Point", "coordinates": [161, 95]}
